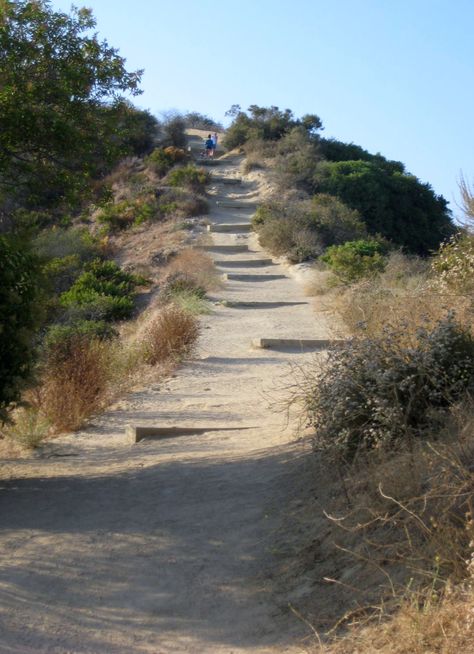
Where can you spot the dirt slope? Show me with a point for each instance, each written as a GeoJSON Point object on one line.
{"type": "Point", "coordinates": [167, 545]}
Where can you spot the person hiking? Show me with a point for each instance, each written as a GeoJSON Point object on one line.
{"type": "Point", "coordinates": [214, 140]}
{"type": "Point", "coordinates": [209, 145]}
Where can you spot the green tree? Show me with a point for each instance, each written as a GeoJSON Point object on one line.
{"type": "Point", "coordinates": [266, 123]}
{"type": "Point", "coordinates": [18, 271]}
{"type": "Point", "coordinates": [60, 94]}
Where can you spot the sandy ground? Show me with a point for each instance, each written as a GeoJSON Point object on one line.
{"type": "Point", "coordinates": [166, 546]}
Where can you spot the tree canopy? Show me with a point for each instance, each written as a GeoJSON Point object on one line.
{"type": "Point", "coordinates": [266, 123]}
{"type": "Point", "coordinates": [60, 94]}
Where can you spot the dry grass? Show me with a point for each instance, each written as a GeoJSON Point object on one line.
{"type": "Point", "coordinates": [403, 295]}
{"type": "Point", "coordinates": [444, 629]}
{"type": "Point", "coordinates": [28, 428]}
{"type": "Point", "coordinates": [75, 382]}
{"type": "Point", "coordinates": [195, 265]}
{"type": "Point", "coordinates": [399, 556]}
{"type": "Point", "coordinates": [170, 336]}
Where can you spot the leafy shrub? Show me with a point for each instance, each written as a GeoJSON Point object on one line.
{"type": "Point", "coordinates": [180, 203]}
{"type": "Point", "coordinates": [161, 160]}
{"type": "Point", "coordinates": [378, 392]}
{"type": "Point", "coordinates": [94, 329]}
{"type": "Point", "coordinates": [171, 336]}
{"type": "Point", "coordinates": [61, 272]}
{"type": "Point", "coordinates": [122, 215]}
{"type": "Point", "coordinates": [302, 229]}
{"type": "Point", "coordinates": [266, 123]}
{"type": "Point", "coordinates": [18, 318]}
{"type": "Point", "coordinates": [356, 259]}
{"type": "Point", "coordinates": [137, 128]}
{"type": "Point", "coordinates": [201, 121]}
{"type": "Point", "coordinates": [396, 205]}
{"type": "Point", "coordinates": [103, 292]}
{"type": "Point", "coordinates": [454, 265]}
{"type": "Point", "coordinates": [179, 283]}
{"type": "Point", "coordinates": [58, 243]}
{"type": "Point", "coordinates": [174, 129]}
{"type": "Point", "coordinates": [289, 236]}
{"type": "Point", "coordinates": [334, 150]}
{"type": "Point", "coordinates": [191, 302]}
{"type": "Point", "coordinates": [190, 177]}
{"type": "Point", "coordinates": [75, 379]}
{"type": "Point", "coordinates": [335, 222]}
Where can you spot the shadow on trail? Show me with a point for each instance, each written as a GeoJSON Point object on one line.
{"type": "Point", "coordinates": [170, 551]}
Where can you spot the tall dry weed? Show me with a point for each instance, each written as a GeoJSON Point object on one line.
{"type": "Point", "coordinates": [75, 381]}
{"type": "Point", "coordinates": [171, 336]}
{"type": "Point", "coordinates": [195, 265]}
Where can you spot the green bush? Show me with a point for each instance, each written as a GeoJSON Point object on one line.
{"type": "Point", "coordinates": [162, 160]}
{"type": "Point", "coordinates": [178, 283]}
{"type": "Point", "coordinates": [180, 203]}
{"type": "Point", "coordinates": [291, 237]}
{"type": "Point", "coordinates": [394, 204]}
{"type": "Point", "coordinates": [18, 318]}
{"type": "Point", "coordinates": [302, 229]}
{"type": "Point", "coordinates": [190, 177]}
{"type": "Point", "coordinates": [453, 266]}
{"type": "Point", "coordinates": [381, 393]}
{"type": "Point", "coordinates": [174, 129]}
{"type": "Point", "coordinates": [57, 334]}
{"type": "Point", "coordinates": [122, 215]}
{"type": "Point", "coordinates": [355, 260]}
{"type": "Point", "coordinates": [266, 123]}
{"type": "Point", "coordinates": [61, 272]}
{"type": "Point", "coordinates": [102, 292]}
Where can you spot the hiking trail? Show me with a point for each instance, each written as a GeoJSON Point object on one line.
{"type": "Point", "coordinates": [165, 546]}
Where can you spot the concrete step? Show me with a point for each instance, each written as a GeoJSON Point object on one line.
{"type": "Point", "coordinates": [242, 277]}
{"type": "Point", "coordinates": [224, 249]}
{"type": "Point", "coordinates": [229, 180]}
{"type": "Point", "coordinates": [243, 263]}
{"type": "Point", "coordinates": [227, 204]}
{"type": "Point", "coordinates": [233, 304]}
{"type": "Point", "coordinates": [235, 228]}
{"type": "Point", "coordinates": [297, 344]}
{"type": "Point", "coordinates": [136, 434]}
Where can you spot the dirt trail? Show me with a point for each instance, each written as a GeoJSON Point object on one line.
{"type": "Point", "coordinates": [166, 546]}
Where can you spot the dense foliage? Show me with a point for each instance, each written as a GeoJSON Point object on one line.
{"type": "Point", "coordinates": [394, 204]}
{"type": "Point", "coordinates": [18, 270]}
{"type": "Point", "coordinates": [266, 123]}
{"type": "Point", "coordinates": [354, 260]}
{"type": "Point", "coordinates": [379, 392]}
{"type": "Point", "coordinates": [61, 111]}
{"type": "Point", "coordinates": [302, 229]}
{"type": "Point", "coordinates": [390, 201]}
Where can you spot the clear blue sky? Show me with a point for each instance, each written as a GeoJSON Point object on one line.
{"type": "Point", "coordinates": [395, 76]}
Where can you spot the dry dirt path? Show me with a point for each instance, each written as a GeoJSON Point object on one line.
{"type": "Point", "coordinates": [165, 546]}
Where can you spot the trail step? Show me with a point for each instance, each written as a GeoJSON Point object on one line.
{"type": "Point", "coordinates": [296, 343]}
{"type": "Point", "coordinates": [232, 304]}
{"type": "Point", "coordinates": [136, 434]}
{"type": "Point", "coordinates": [230, 180]}
{"type": "Point", "coordinates": [236, 205]}
{"type": "Point", "coordinates": [230, 227]}
{"type": "Point", "coordinates": [242, 277]}
{"type": "Point", "coordinates": [208, 162]}
{"type": "Point", "coordinates": [224, 249]}
{"type": "Point", "coordinates": [243, 263]}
